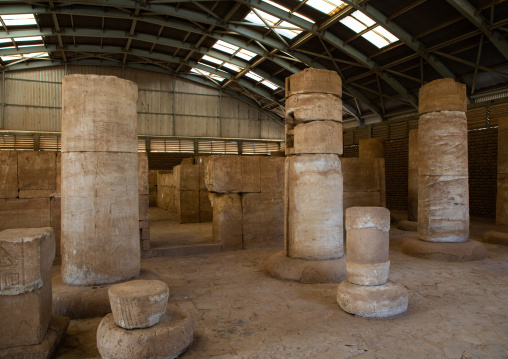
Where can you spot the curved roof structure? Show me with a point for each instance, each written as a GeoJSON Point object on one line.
{"type": "Point", "coordinates": [383, 50]}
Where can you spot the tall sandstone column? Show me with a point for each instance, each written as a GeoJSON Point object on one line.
{"type": "Point", "coordinates": [313, 211]}
{"type": "Point", "coordinates": [412, 194]}
{"type": "Point", "coordinates": [100, 234]}
{"type": "Point", "coordinates": [443, 190]}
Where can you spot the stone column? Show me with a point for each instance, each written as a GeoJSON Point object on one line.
{"type": "Point", "coordinates": [412, 193]}
{"type": "Point", "coordinates": [100, 216]}
{"type": "Point", "coordinates": [500, 234]}
{"type": "Point", "coordinates": [443, 191]}
{"type": "Point", "coordinates": [313, 212]}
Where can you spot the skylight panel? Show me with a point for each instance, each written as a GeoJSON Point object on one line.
{"type": "Point", "coordinates": [270, 84]}
{"type": "Point", "coordinates": [288, 29]}
{"type": "Point", "coordinates": [11, 57]}
{"type": "Point", "coordinates": [225, 46]}
{"type": "Point", "coordinates": [329, 7]}
{"type": "Point", "coordinates": [291, 31]}
{"type": "Point", "coordinates": [254, 76]}
{"type": "Point", "coordinates": [18, 20]}
{"type": "Point", "coordinates": [245, 54]}
{"type": "Point", "coordinates": [232, 66]}
{"type": "Point", "coordinates": [353, 24]}
{"type": "Point", "coordinates": [378, 35]}
{"type": "Point", "coordinates": [5, 40]}
{"type": "Point", "coordinates": [30, 38]}
{"type": "Point", "coordinates": [211, 59]}
{"type": "Point", "coordinates": [24, 56]}
{"type": "Point", "coordinates": [386, 34]}
{"type": "Point", "coordinates": [207, 74]}
{"type": "Point", "coordinates": [360, 16]}
{"type": "Point", "coordinates": [376, 39]}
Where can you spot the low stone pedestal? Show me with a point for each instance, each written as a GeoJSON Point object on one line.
{"type": "Point", "coordinates": [451, 252]}
{"type": "Point", "coordinates": [86, 302]}
{"type": "Point", "coordinates": [282, 267]}
{"type": "Point", "coordinates": [167, 339]}
{"type": "Point", "coordinates": [496, 237]}
{"type": "Point", "coordinates": [44, 350]}
{"type": "Point", "coordinates": [377, 301]}
{"type": "Point", "coordinates": [410, 226]}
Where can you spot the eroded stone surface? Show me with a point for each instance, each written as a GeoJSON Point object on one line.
{"type": "Point", "coordinates": [314, 81]}
{"type": "Point", "coordinates": [370, 148]}
{"type": "Point", "coordinates": [318, 137]}
{"type": "Point", "coordinates": [496, 237]}
{"type": "Point", "coordinates": [442, 95]}
{"type": "Point", "coordinates": [368, 217]}
{"type": "Point", "coordinates": [8, 174]}
{"type": "Point", "coordinates": [451, 252]}
{"type": "Point", "coordinates": [138, 303]}
{"type": "Point", "coordinates": [377, 301]}
{"type": "Point", "coordinates": [227, 219]}
{"type": "Point", "coordinates": [166, 340]}
{"type": "Point", "coordinates": [306, 107]}
{"type": "Point", "coordinates": [232, 174]}
{"type": "Point", "coordinates": [411, 226]}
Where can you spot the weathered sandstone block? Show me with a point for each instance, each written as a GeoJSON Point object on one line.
{"type": "Point", "coordinates": [187, 206]}
{"type": "Point", "coordinates": [412, 196]}
{"type": "Point", "coordinates": [186, 177]}
{"type": "Point", "coordinates": [8, 174]}
{"type": "Point", "coordinates": [271, 173]}
{"type": "Point", "coordinates": [25, 213]}
{"type": "Point", "coordinates": [263, 219]}
{"type": "Point", "coordinates": [143, 207]}
{"type": "Point", "coordinates": [371, 148]}
{"type": "Point", "coordinates": [36, 170]}
{"type": "Point", "coordinates": [318, 137]}
{"type": "Point", "coordinates": [142, 173]}
{"type": "Point", "coordinates": [205, 207]}
{"type": "Point", "coordinates": [227, 219]}
{"type": "Point", "coordinates": [307, 107]}
{"type": "Point", "coordinates": [314, 81]}
{"type": "Point", "coordinates": [232, 174]}
{"type": "Point", "coordinates": [442, 95]}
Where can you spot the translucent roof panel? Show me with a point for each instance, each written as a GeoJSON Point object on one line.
{"type": "Point", "coordinates": [254, 76]}
{"type": "Point", "coordinates": [5, 40]}
{"type": "Point", "coordinates": [270, 84]}
{"type": "Point", "coordinates": [30, 38]}
{"type": "Point", "coordinates": [233, 50]}
{"type": "Point", "coordinates": [232, 66]}
{"type": "Point", "coordinates": [207, 74]}
{"type": "Point", "coordinates": [18, 20]}
{"type": "Point", "coordinates": [281, 27]}
{"type": "Point", "coordinates": [261, 80]}
{"type": "Point", "coordinates": [329, 7]}
{"type": "Point", "coordinates": [378, 35]}
{"type": "Point", "coordinates": [212, 59]}
{"type": "Point", "coordinates": [24, 56]}
{"type": "Point", "coordinates": [286, 9]}
{"type": "Point", "coordinates": [245, 54]}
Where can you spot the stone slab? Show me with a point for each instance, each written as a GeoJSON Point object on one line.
{"type": "Point", "coordinates": [37, 193]}
{"type": "Point", "coordinates": [263, 219]}
{"type": "Point", "coordinates": [371, 148]}
{"type": "Point", "coordinates": [411, 226]}
{"type": "Point", "coordinates": [318, 137]}
{"type": "Point", "coordinates": [496, 237]}
{"type": "Point", "coordinates": [59, 173]}
{"type": "Point", "coordinates": [282, 267]}
{"type": "Point", "coordinates": [138, 303]}
{"type": "Point", "coordinates": [502, 199]}
{"type": "Point", "coordinates": [271, 173]}
{"type": "Point", "coordinates": [86, 302]}
{"type": "Point", "coordinates": [45, 350]}
{"type": "Point", "coordinates": [24, 213]}
{"type": "Point", "coordinates": [368, 217]}
{"type": "Point", "coordinates": [56, 221]}
{"type": "Point", "coordinates": [99, 121]}
{"type": "Point", "coordinates": [142, 173]}
{"type": "Point", "coordinates": [168, 339]}
{"type": "Point", "coordinates": [8, 174]}
{"type": "Point", "coordinates": [379, 301]}
{"type": "Point", "coordinates": [36, 170]}
{"type": "Point", "coordinates": [314, 81]}
{"type": "Point", "coordinates": [145, 234]}
{"type": "Point", "coordinates": [205, 207]}
{"type": "Point", "coordinates": [449, 252]}
{"type": "Point", "coordinates": [362, 174]}
{"type": "Point", "coordinates": [232, 174]}
{"type": "Point", "coordinates": [144, 206]}
{"type": "Point", "coordinates": [227, 220]}
{"type": "Point", "coordinates": [186, 177]}
{"type": "Point", "coordinates": [304, 107]}
{"type": "Point", "coordinates": [367, 273]}
{"type": "Point", "coordinates": [442, 144]}
{"type": "Point", "coordinates": [187, 208]}
{"type": "Point", "coordinates": [442, 95]}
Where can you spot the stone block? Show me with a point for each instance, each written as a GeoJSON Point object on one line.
{"type": "Point", "coordinates": [142, 173]}
{"type": "Point", "coordinates": [144, 224]}
{"type": "Point", "coordinates": [442, 95]}
{"type": "Point", "coordinates": [56, 221]}
{"type": "Point", "coordinates": [24, 213]}
{"type": "Point", "coordinates": [100, 217]}
{"type": "Point", "coordinates": [263, 219]}
{"type": "Point", "coordinates": [99, 121]}
{"type": "Point", "coordinates": [362, 175]}
{"type": "Point", "coordinates": [502, 146]}
{"type": "Point", "coordinates": [138, 303]}
{"type": "Point", "coordinates": [152, 179]}
{"type": "Point", "coordinates": [442, 144]}
{"type": "Point", "coordinates": [502, 199]}
{"type": "Point", "coordinates": [443, 208]}
{"type": "Point", "coordinates": [59, 173]}
{"type": "Point", "coordinates": [413, 150]}
{"type": "Point", "coordinates": [318, 137]}
{"type": "Point", "coordinates": [412, 196]}
{"type": "Point", "coordinates": [314, 81]}
{"type": "Point", "coordinates": [187, 208]}
{"type": "Point", "coordinates": [313, 207]}
{"type": "Point", "coordinates": [143, 207]}
{"type": "Point", "coordinates": [8, 174]}
{"type": "Point", "coordinates": [26, 255]}
{"type": "Point", "coordinates": [362, 199]}
{"type": "Point", "coordinates": [368, 217]}
{"type": "Point", "coordinates": [232, 174]}
{"type": "Point", "coordinates": [186, 177]}
{"type": "Point", "coordinates": [302, 108]}
{"type": "Point", "coordinates": [36, 170]}
{"type": "Point", "coordinates": [187, 161]}
{"type": "Point", "coordinates": [371, 148]}
{"type": "Point", "coordinates": [271, 173]}
{"type": "Point", "coordinates": [205, 207]}
{"type": "Point", "coordinates": [145, 244]}
{"type": "Point", "coordinates": [152, 198]}
{"type": "Point", "coordinates": [37, 193]}
{"type": "Point", "coordinates": [145, 234]}
{"type": "Point", "coordinates": [227, 220]}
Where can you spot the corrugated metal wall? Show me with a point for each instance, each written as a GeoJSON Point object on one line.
{"type": "Point", "coordinates": [167, 106]}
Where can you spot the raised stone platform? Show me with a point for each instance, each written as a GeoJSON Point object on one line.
{"type": "Point", "coordinates": [410, 226]}
{"type": "Point", "coordinates": [496, 237]}
{"type": "Point", "coordinates": [375, 301]}
{"type": "Point", "coordinates": [283, 267]}
{"type": "Point", "coordinates": [86, 302]}
{"type": "Point", "coordinates": [450, 252]}
{"type": "Point", "coordinates": [167, 339]}
{"type": "Point", "coordinates": [44, 350]}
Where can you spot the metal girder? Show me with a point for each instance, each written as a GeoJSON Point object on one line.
{"type": "Point", "coordinates": [469, 12]}
{"type": "Point", "coordinates": [403, 36]}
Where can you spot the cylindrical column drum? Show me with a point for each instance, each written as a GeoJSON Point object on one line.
{"type": "Point", "coordinates": [412, 196]}
{"type": "Point", "coordinates": [367, 245]}
{"type": "Point", "coordinates": [443, 197]}
{"type": "Point", "coordinates": [313, 208]}
{"type": "Point", "coordinates": [100, 215]}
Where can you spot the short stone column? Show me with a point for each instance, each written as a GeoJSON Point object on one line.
{"type": "Point", "coordinates": [313, 212]}
{"type": "Point", "coordinates": [100, 215]}
{"type": "Point", "coordinates": [443, 191]}
{"type": "Point", "coordinates": [141, 326]}
{"type": "Point", "coordinates": [412, 194]}
{"type": "Point", "coordinates": [367, 292]}
{"type": "Point", "coordinates": [500, 234]}
{"type": "Point", "coordinates": [26, 256]}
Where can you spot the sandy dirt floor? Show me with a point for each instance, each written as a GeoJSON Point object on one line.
{"type": "Point", "coordinates": [456, 310]}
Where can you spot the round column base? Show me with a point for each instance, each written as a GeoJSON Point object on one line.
{"type": "Point", "coordinates": [496, 237]}
{"type": "Point", "coordinates": [448, 252]}
{"type": "Point", "coordinates": [86, 302]}
{"type": "Point", "coordinates": [165, 340]}
{"type": "Point", "coordinates": [372, 301]}
{"type": "Point", "coordinates": [282, 267]}
{"type": "Point", "coordinates": [410, 226]}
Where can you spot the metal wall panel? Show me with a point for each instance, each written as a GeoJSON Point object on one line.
{"type": "Point", "coordinates": [193, 126]}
